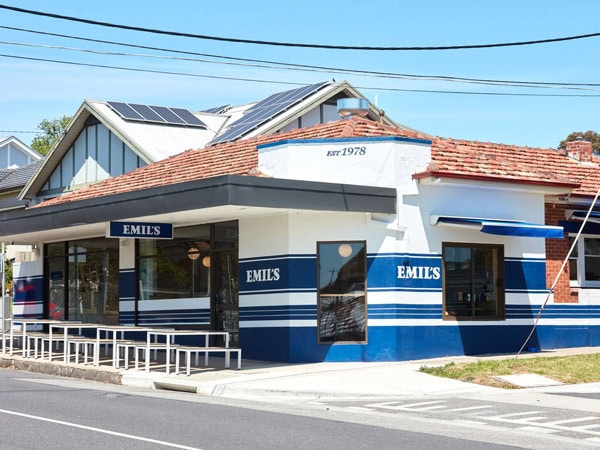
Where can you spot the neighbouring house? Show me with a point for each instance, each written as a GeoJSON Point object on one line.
{"type": "Point", "coordinates": [14, 153]}
{"type": "Point", "coordinates": [349, 240]}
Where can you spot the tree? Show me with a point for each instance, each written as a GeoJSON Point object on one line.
{"type": "Point", "coordinates": [8, 274]}
{"type": "Point", "coordinates": [590, 136]}
{"type": "Point", "coordinates": [51, 130]}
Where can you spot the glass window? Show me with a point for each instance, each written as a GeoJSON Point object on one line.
{"type": "Point", "coordinates": [584, 262]}
{"type": "Point", "coordinates": [342, 303]}
{"type": "Point", "coordinates": [473, 281]}
{"type": "Point", "coordinates": [591, 248]}
{"type": "Point", "coordinates": [93, 274]}
{"type": "Point", "coordinates": [177, 268]}
{"type": "Point", "coordinates": [573, 260]}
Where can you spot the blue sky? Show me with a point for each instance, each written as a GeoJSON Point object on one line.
{"type": "Point", "coordinates": [34, 90]}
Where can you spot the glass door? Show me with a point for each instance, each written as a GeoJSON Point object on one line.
{"type": "Point", "coordinates": [224, 280]}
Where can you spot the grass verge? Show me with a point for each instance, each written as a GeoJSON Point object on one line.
{"type": "Point", "coordinates": [566, 369]}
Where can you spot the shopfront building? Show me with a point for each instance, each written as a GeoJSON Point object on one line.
{"type": "Point", "coordinates": [350, 249]}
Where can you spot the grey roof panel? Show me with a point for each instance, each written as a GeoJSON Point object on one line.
{"type": "Point", "coordinates": [14, 178]}
{"type": "Point", "coordinates": [265, 110]}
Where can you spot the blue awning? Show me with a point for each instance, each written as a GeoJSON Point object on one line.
{"type": "Point", "coordinates": [502, 227]}
{"type": "Point", "coordinates": [580, 215]}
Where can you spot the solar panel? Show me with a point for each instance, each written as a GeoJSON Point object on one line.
{"type": "Point", "coordinates": [156, 114]}
{"type": "Point", "coordinates": [147, 113]}
{"type": "Point", "coordinates": [125, 111]}
{"type": "Point", "coordinates": [188, 117]}
{"type": "Point", "coordinates": [168, 115]}
{"type": "Point", "coordinates": [265, 110]}
{"type": "Point", "coordinates": [216, 109]}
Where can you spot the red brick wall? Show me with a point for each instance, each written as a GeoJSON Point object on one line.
{"type": "Point", "coordinates": [556, 251]}
{"type": "Point", "coordinates": [580, 150]}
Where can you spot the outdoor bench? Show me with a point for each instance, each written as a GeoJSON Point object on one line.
{"type": "Point", "coordinates": [145, 348]}
{"type": "Point", "coordinates": [188, 351]}
{"type": "Point", "coordinates": [82, 344]}
{"type": "Point", "coordinates": [125, 346]}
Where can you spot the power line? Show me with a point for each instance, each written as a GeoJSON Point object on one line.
{"type": "Point", "coordinates": [161, 72]}
{"type": "Point", "coordinates": [293, 44]}
{"type": "Point", "coordinates": [528, 84]}
{"type": "Point", "coordinates": [291, 66]}
{"type": "Point", "coordinates": [254, 80]}
{"type": "Point", "coordinates": [17, 131]}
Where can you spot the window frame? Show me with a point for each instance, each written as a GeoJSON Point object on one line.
{"type": "Point", "coordinates": [197, 240]}
{"type": "Point", "coordinates": [320, 312]}
{"type": "Point", "coordinates": [580, 257]}
{"type": "Point", "coordinates": [499, 285]}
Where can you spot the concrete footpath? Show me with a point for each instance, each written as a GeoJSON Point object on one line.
{"type": "Point", "coordinates": [267, 380]}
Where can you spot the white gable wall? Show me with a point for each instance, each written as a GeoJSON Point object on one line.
{"type": "Point", "coordinates": [384, 162]}
{"type": "Point", "coordinates": [96, 154]}
{"type": "Point", "coordinates": [323, 113]}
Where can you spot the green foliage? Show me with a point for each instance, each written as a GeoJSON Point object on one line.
{"type": "Point", "coordinates": [8, 274]}
{"type": "Point", "coordinates": [51, 130]}
{"type": "Point", "coordinates": [590, 136]}
{"type": "Point", "coordinates": [576, 369]}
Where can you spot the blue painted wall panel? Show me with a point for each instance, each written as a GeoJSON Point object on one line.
{"type": "Point", "coordinates": [277, 274]}
{"type": "Point", "coordinates": [28, 297]}
{"type": "Point", "coordinates": [525, 274]}
{"type": "Point", "coordinates": [411, 343]}
{"type": "Point", "coordinates": [127, 284]}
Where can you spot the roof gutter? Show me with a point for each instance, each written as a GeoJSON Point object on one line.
{"type": "Point", "coordinates": [434, 176]}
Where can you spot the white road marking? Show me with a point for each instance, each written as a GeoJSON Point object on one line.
{"type": "Point", "coordinates": [98, 430]}
{"type": "Point", "coordinates": [579, 419]}
{"type": "Point", "coordinates": [586, 427]}
{"type": "Point", "coordinates": [469, 422]}
{"type": "Point", "coordinates": [559, 425]}
{"type": "Point", "coordinates": [360, 408]}
{"type": "Point", "coordinates": [410, 406]}
{"type": "Point", "coordinates": [471, 408]}
{"type": "Point", "coordinates": [511, 415]}
{"type": "Point", "coordinates": [539, 429]}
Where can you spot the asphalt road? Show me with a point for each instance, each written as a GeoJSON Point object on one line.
{"type": "Point", "coordinates": [43, 412]}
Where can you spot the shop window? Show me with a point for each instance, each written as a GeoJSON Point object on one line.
{"type": "Point", "coordinates": [82, 280]}
{"type": "Point", "coordinates": [342, 302]}
{"type": "Point", "coordinates": [473, 281]}
{"type": "Point", "coordinates": [584, 262]}
{"type": "Point", "coordinates": [177, 268]}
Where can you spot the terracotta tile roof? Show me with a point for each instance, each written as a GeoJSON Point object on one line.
{"type": "Point", "coordinates": [235, 158]}
{"type": "Point", "coordinates": [451, 157]}
{"type": "Point", "coordinates": [484, 160]}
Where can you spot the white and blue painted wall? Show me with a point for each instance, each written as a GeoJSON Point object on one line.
{"type": "Point", "coordinates": [278, 265]}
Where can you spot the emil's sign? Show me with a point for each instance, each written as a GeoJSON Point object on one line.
{"type": "Point", "coordinates": [140, 230]}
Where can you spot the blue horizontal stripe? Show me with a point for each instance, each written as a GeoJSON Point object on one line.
{"type": "Point", "coordinates": [573, 311]}
{"type": "Point", "coordinates": [401, 311]}
{"type": "Point", "coordinates": [283, 312]}
{"type": "Point", "coordinates": [279, 291]}
{"type": "Point", "coordinates": [166, 317]}
{"type": "Point", "coordinates": [527, 291]}
{"type": "Point", "coordinates": [404, 289]}
{"type": "Point", "coordinates": [279, 257]}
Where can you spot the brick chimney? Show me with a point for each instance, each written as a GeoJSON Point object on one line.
{"type": "Point", "coordinates": [580, 150]}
